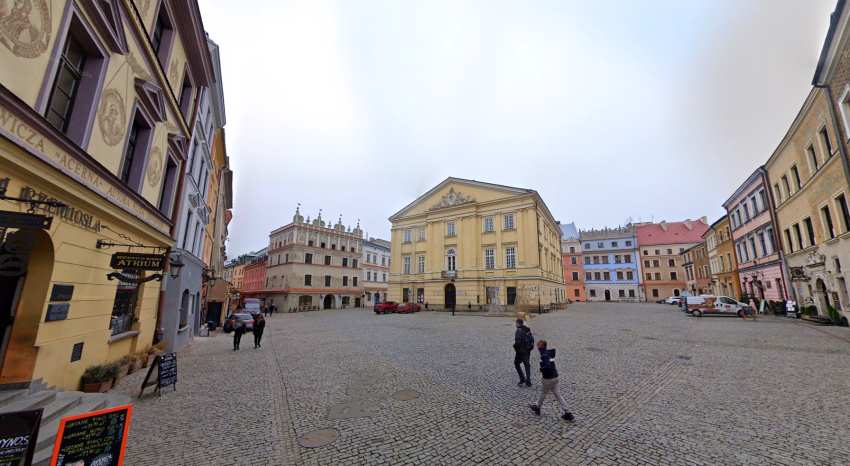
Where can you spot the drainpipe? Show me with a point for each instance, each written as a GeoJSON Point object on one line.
{"type": "Point", "coordinates": [765, 178]}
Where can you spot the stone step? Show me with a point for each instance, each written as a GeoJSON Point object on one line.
{"type": "Point", "coordinates": [35, 401]}
{"type": "Point", "coordinates": [64, 401]}
{"type": "Point", "coordinates": [8, 396]}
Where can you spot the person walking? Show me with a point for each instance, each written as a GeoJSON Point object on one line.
{"type": "Point", "coordinates": [259, 326]}
{"type": "Point", "coordinates": [550, 381]}
{"type": "Point", "coordinates": [238, 331]}
{"type": "Point", "coordinates": [523, 352]}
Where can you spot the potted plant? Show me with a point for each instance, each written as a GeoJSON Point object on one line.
{"type": "Point", "coordinates": [128, 364]}
{"type": "Point", "coordinates": [98, 378]}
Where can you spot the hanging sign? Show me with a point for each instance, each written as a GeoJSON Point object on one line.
{"type": "Point", "coordinates": [135, 261]}
{"type": "Point", "coordinates": [18, 434]}
{"type": "Point", "coordinates": [24, 221]}
{"type": "Point", "coordinates": [166, 373]}
{"type": "Point", "coordinates": [95, 438]}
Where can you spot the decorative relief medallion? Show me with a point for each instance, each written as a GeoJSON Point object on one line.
{"type": "Point", "coordinates": [138, 69]}
{"type": "Point", "coordinates": [452, 199]}
{"type": "Point", "coordinates": [144, 7]}
{"type": "Point", "coordinates": [25, 27]}
{"type": "Point", "coordinates": [111, 117]}
{"type": "Point", "coordinates": [172, 128]}
{"type": "Point", "coordinates": [155, 167]}
{"type": "Point", "coordinates": [172, 72]}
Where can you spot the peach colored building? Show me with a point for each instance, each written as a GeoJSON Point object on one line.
{"type": "Point", "coordinates": [571, 254]}
{"type": "Point", "coordinates": [661, 246]}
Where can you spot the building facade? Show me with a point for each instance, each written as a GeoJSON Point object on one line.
{"type": "Point", "coordinates": [760, 269]}
{"type": "Point", "coordinates": [710, 238]}
{"type": "Point", "coordinates": [696, 264]}
{"type": "Point", "coordinates": [609, 264]}
{"type": "Point", "coordinates": [467, 243]}
{"type": "Point", "coordinates": [255, 276]}
{"type": "Point", "coordinates": [727, 275]}
{"type": "Point", "coordinates": [312, 265]}
{"type": "Point", "coordinates": [661, 245]}
{"type": "Point", "coordinates": [93, 133]}
{"type": "Point", "coordinates": [376, 268]}
{"type": "Point", "coordinates": [571, 255]}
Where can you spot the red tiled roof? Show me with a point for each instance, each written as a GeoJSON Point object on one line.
{"type": "Point", "coordinates": [676, 233]}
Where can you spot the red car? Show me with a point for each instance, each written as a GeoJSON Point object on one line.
{"type": "Point", "coordinates": [409, 307]}
{"type": "Point", "coordinates": [385, 307]}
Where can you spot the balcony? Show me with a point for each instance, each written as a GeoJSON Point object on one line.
{"type": "Point", "coordinates": [448, 274]}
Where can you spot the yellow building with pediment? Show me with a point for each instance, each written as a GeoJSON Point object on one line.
{"type": "Point", "coordinates": [471, 244]}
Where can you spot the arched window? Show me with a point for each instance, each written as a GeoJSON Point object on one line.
{"type": "Point", "coordinates": [451, 260]}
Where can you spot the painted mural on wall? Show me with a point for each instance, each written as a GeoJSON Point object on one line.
{"type": "Point", "coordinates": [25, 27]}
{"type": "Point", "coordinates": [111, 117]}
{"type": "Point", "coordinates": [138, 69]}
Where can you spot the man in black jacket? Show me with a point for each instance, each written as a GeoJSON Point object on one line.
{"type": "Point", "coordinates": [522, 353]}
{"type": "Point", "coordinates": [550, 381]}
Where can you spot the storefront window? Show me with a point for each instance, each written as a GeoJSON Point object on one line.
{"type": "Point", "coordinates": [305, 300]}
{"type": "Point", "coordinates": [124, 306]}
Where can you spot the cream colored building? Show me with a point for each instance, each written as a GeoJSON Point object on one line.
{"type": "Point", "coordinates": [469, 243]}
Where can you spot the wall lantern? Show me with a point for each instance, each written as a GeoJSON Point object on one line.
{"type": "Point", "coordinates": [175, 265]}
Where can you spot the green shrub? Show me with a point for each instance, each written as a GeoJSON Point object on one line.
{"type": "Point", "coordinates": [100, 373]}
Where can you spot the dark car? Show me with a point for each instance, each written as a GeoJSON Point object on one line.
{"type": "Point", "coordinates": [385, 307]}
{"type": "Point", "coordinates": [409, 307]}
{"type": "Point", "coordinates": [661, 301]}
{"type": "Point", "coordinates": [247, 318]}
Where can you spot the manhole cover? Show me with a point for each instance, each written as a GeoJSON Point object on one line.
{"type": "Point", "coordinates": [649, 338]}
{"type": "Point", "coordinates": [319, 438]}
{"type": "Point", "coordinates": [405, 395]}
{"type": "Point", "coordinates": [594, 349]}
{"type": "Point", "coordinates": [626, 329]}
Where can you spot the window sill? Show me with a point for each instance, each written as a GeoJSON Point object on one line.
{"type": "Point", "coordinates": [451, 236]}
{"type": "Point", "coordinates": [508, 229]}
{"type": "Point", "coordinates": [123, 336]}
{"type": "Point", "coordinates": [182, 329]}
{"type": "Point", "coordinates": [832, 240]}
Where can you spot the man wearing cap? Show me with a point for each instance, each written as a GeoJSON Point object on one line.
{"type": "Point", "coordinates": [522, 353]}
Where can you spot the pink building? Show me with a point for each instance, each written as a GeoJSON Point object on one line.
{"type": "Point", "coordinates": [756, 242]}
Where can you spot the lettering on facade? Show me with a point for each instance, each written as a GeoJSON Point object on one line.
{"type": "Point", "coordinates": [135, 261]}
{"type": "Point", "coordinates": [66, 213]}
{"type": "Point", "coordinates": [21, 130]}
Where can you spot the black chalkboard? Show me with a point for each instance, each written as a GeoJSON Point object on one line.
{"type": "Point", "coordinates": [97, 438]}
{"type": "Point", "coordinates": [18, 434]}
{"type": "Point", "coordinates": [166, 373]}
{"type": "Point", "coordinates": [62, 293]}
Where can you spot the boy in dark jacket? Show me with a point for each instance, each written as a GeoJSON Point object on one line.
{"type": "Point", "coordinates": [550, 381]}
{"type": "Point", "coordinates": [522, 353]}
{"type": "Point", "coordinates": [238, 331]}
{"type": "Point", "coordinates": [259, 326]}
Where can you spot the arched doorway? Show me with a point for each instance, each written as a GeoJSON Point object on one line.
{"type": "Point", "coordinates": [450, 296]}
{"type": "Point", "coordinates": [607, 295]}
{"type": "Point", "coordinates": [328, 303]}
{"type": "Point", "coordinates": [821, 296]}
{"type": "Point", "coordinates": [26, 268]}
{"type": "Point", "coordinates": [676, 292]}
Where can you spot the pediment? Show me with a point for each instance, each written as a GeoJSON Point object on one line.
{"type": "Point", "coordinates": [152, 99]}
{"type": "Point", "coordinates": [455, 192]}
{"type": "Point", "coordinates": [106, 18]}
{"type": "Point", "coordinates": [177, 143]}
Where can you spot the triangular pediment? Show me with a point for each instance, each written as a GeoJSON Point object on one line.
{"type": "Point", "coordinates": [152, 99]}
{"type": "Point", "coordinates": [106, 18]}
{"type": "Point", "coordinates": [456, 192]}
{"type": "Point", "coordinates": [177, 143]}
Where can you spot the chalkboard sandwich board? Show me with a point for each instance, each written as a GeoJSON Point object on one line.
{"type": "Point", "coordinates": [18, 434]}
{"type": "Point", "coordinates": [166, 373]}
{"type": "Point", "coordinates": [97, 438]}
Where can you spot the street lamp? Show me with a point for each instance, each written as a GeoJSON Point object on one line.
{"type": "Point", "coordinates": [175, 265]}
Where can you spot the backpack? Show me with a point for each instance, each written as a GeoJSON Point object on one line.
{"type": "Point", "coordinates": [529, 340]}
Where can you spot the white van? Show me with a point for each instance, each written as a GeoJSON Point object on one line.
{"type": "Point", "coordinates": [699, 305]}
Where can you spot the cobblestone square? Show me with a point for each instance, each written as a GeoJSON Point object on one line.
{"type": "Point", "coordinates": [647, 384]}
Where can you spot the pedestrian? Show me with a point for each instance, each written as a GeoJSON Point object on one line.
{"type": "Point", "coordinates": [238, 331]}
{"type": "Point", "coordinates": [272, 308]}
{"type": "Point", "coordinates": [523, 352]}
{"type": "Point", "coordinates": [426, 305]}
{"type": "Point", "coordinates": [259, 326]}
{"type": "Point", "coordinates": [266, 310]}
{"type": "Point", "coordinates": [550, 381]}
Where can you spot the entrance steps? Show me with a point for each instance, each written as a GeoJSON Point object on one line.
{"type": "Point", "coordinates": [818, 320]}
{"type": "Point", "coordinates": [56, 405]}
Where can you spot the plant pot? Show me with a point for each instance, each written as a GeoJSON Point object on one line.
{"type": "Point", "coordinates": [132, 367]}
{"type": "Point", "coordinates": [97, 387]}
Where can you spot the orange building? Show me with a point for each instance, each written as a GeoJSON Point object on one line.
{"type": "Point", "coordinates": [571, 254]}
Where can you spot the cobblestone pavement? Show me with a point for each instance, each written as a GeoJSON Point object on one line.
{"type": "Point", "coordinates": [647, 384]}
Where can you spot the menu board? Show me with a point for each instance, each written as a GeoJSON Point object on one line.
{"type": "Point", "coordinates": [18, 434]}
{"type": "Point", "coordinates": [97, 438]}
{"type": "Point", "coordinates": [166, 373]}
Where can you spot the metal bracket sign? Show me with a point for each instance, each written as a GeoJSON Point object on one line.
{"type": "Point", "coordinates": [135, 261]}
{"type": "Point", "coordinates": [24, 221]}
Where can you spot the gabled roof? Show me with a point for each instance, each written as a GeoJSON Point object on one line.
{"type": "Point", "coordinates": [449, 180]}
{"type": "Point", "coordinates": [671, 233]}
{"type": "Point", "coordinates": [833, 44]}
{"type": "Point", "coordinates": [569, 231]}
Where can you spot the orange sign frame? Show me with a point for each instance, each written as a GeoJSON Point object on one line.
{"type": "Point", "coordinates": [60, 434]}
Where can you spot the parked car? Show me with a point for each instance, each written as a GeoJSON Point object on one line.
{"type": "Point", "coordinates": [661, 301]}
{"type": "Point", "coordinates": [675, 300]}
{"type": "Point", "coordinates": [385, 307]}
{"type": "Point", "coordinates": [716, 305]}
{"type": "Point", "coordinates": [409, 307]}
{"type": "Point", "coordinates": [247, 318]}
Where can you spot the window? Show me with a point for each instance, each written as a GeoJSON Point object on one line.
{"type": "Point", "coordinates": [572, 249]}
{"type": "Point", "coordinates": [353, 281]}
{"type": "Point", "coordinates": [575, 276]}
{"type": "Point", "coordinates": [166, 190]}
{"type": "Point", "coordinates": [646, 263]}
{"type": "Point", "coordinates": [420, 264]}
{"type": "Point", "coordinates": [308, 258]}
{"type": "Point", "coordinates": [383, 260]}
{"type": "Point", "coordinates": [509, 222]}
{"type": "Point", "coordinates": [576, 293]}
{"type": "Point", "coordinates": [648, 276]}
{"type": "Point", "coordinates": [657, 276]}
{"type": "Point", "coordinates": [777, 193]}
{"type": "Point", "coordinates": [600, 245]}
{"type": "Point", "coordinates": [421, 234]}
{"type": "Point", "coordinates": [344, 281]}
{"type": "Point", "coordinates": [327, 280]}
{"type": "Point", "coordinates": [595, 259]}
{"type": "Point", "coordinates": [368, 256]}
{"type": "Point", "coordinates": [614, 244]}
{"type": "Point", "coordinates": [308, 280]}
{"type": "Point", "coordinates": [619, 275]}
{"type": "Point", "coordinates": [657, 252]}
{"type": "Point", "coordinates": [674, 276]}
{"type": "Point", "coordinates": [588, 276]}
{"type": "Point", "coordinates": [489, 259]}
{"type": "Point", "coordinates": [510, 258]}
{"type": "Point", "coordinates": [488, 224]}
{"type": "Point", "coordinates": [186, 95]}
{"type": "Point", "coordinates": [354, 263]}
{"type": "Point", "coordinates": [630, 275]}
{"type": "Point", "coordinates": [573, 260]}
{"type": "Point", "coordinates": [368, 276]}
{"type": "Point", "coordinates": [654, 292]}
{"type": "Point", "coordinates": [827, 219]}
{"type": "Point", "coordinates": [813, 158]}
{"type": "Point", "coordinates": [628, 243]}
{"type": "Point", "coordinates": [327, 260]}
{"type": "Point", "coordinates": [763, 244]}
{"type": "Point", "coordinates": [671, 262]}
{"type": "Point", "coordinates": [342, 248]}
{"type": "Point", "coordinates": [587, 260]}
{"type": "Point", "coordinates": [622, 293]}
{"type": "Point", "coordinates": [826, 145]}
{"type": "Point", "coordinates": [592, 293]}
{"type": "Point", "coordinates": [670, 251]}
{"type": "Point", "coordinates": [618, 259]}
{"type": "Point", "coordinates": [785, 184]}
{"type": "Point", "coordinates": [788, 242]}
{"type": "Point", "coordinates": [799, 235]}
{"type": "Point", "coordinates": [587, 245]}
{"type": "Point", "coordinates": [845, 212]}
{"type": "Point", "coordinates": [606, 275]}
{"type": "Point", "coordinates": [451, 260]}
{"type": "Point", "coordinates": [656, 263]}
{"type": "Point", "coordinates": [124, 304]}
{"type": "Point", "coordinates": [345, 262]}
{"type": "Point", "coordinates": [810, 229]}
{"type": "Point", "coordinates": [384, 276]}
{"type": "Point", "coordinates": [627, 258]}
{"type": "Point", "coordinates": [604, 259]}
{"type": "Point", "coordinates": [450, 229]}
{"type": "Point", "coordinates": [795, 176]}
{"type": "Point", "coordinates": [597, 276]}
{"type": "Point", "coordinates": [406, 236]}
{"type": "Point", "coordinates": [406, 265]}
{"type": "Point", "coordinates": [333, 246]}
{"type": "Point", "coordinates": [69, 76]}
{"type": "Point", "coordinates": [286, 258]}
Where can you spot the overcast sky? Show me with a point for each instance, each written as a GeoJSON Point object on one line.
{"type": "Point", "coordinates": [644, 109]}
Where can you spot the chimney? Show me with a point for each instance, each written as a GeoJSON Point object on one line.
{"type": "Point", "coordinates": [704, 219]}
{"type": "Point", "coordinates": [688, 224]}
{"type": "Point", "coordinates": [663, 225]}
